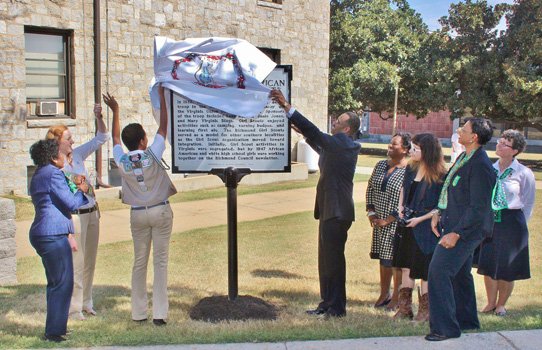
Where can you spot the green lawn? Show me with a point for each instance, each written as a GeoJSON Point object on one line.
{"type": "Point", "coordinates": [277, 262]}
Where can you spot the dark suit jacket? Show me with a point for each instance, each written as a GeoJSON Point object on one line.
{"type": "Point", "coordinates": [423, 201]}
{"type": "Point", "coordinates": [469, 199]}
{"type": "Point", "coordinates": [53, 202]}
{"type": "Point", "coordinates": [337, 163]}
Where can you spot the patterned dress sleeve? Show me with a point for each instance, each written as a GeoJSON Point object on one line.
{"type": "Point", "coordinates": [370, 194]}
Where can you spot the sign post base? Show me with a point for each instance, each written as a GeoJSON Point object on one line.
{"type": "Point", "coordinates": [231, 177]}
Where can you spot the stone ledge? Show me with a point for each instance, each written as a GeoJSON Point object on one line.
{"type": "Point", "coordinates": [7, 209]}
{"type": "Point", "coordinates": [7, 229]}
{"type": "Point", "coordinates": [269, 4]}
{"type": "Point", "coordinates": [8, 271]}
{"type": "Point", "coordinates": [8, 249]}
{"type": "Point", "coordinates": [48, 122]}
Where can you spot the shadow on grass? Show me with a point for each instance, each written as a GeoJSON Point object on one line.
{"type": "Point", "coordinates": [360, 303]}
{"type": "Point", "coordinates": [273, 273]}
{"type": "Point", "coordinates": [289, 295]}
{"type": "Point", "coordinates": [23, 310]}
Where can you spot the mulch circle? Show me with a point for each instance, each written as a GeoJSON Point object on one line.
{"type": "Point", "coordinates": [219, 308]}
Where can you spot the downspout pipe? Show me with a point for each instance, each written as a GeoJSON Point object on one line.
{"type": "Point", "coordinates": [97, 86]}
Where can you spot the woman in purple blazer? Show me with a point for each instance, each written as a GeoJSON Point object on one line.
{"type": "Point", "coordinates": [51, 233]}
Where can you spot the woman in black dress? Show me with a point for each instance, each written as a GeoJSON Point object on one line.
{"type": "Point", "coordinates": [419, 197]}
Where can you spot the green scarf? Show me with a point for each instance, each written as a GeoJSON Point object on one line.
{"type": "Point", "coordinates": [498, 197]}
{"type": "Point", "coordinates": [71, 184]}
{"type": "Point", "coordinates": [463, 159]}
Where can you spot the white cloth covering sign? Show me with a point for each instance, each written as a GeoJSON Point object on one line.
{"type": "Point", "coordinates": [222, 73]}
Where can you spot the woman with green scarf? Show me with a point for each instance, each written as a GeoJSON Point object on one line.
{"type": "Point", "coordinates": [505, 257]}
{"type": "Point", "coordinates": [463, 219]}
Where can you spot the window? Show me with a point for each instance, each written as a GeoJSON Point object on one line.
{"type": "Point", "coordinates": [273, 54]}
{"type": "Point", "coordinates": [47, 61]}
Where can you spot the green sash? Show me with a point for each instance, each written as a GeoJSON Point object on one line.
{"type": "Point", "coordinates": [463, 159]}
{"type": "Point", "coordinates": [498, 197]}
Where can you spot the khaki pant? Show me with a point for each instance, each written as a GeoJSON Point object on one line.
{"type": "Point", "coordinates": [150, 226]}
{"type": "Point", "coordinates": [87, 234]}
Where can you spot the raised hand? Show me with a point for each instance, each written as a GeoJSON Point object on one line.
{"type": "Point", "coordinates": [98, 110]}
{"type": "Point", "coordinates": [110, 101]}
{"type": "Point", "coordinates": [279, 98]}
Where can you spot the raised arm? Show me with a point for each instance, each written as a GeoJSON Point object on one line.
{"type": "Point", "coordinates": [162, 129]}
{"type": "Point", "coordinates": [115, 128]}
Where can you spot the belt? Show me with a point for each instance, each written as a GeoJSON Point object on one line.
{"type": "Point", "coordinates": [150, 206]}
{"type": "Point", "coordinates": [85, 210]}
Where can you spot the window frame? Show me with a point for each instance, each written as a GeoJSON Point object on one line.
{"type": "Point", "coordinates": [276, 4]}
{"type": "Point", "coordinates": [273, 54]}
{"type": "Point", "coordinates": [69, 96]}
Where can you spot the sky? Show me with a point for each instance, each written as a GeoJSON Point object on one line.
{"type": "Point", "coordinates": [432, 10]}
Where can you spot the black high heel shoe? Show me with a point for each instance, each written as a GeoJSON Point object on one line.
{"type": "Point", "coordinates": [383, 303]}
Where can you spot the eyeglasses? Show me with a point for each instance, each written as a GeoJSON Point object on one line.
{"type": "Point", "coordinates": [502, 143]}
{"type": "Point", "coordinates": [461, 130]}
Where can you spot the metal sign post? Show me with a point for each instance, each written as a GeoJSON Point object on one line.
{"type": "Point", "coordinates": [231, 177]}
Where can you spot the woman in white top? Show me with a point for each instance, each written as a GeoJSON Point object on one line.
{"type": "Point", "coordinates": [505, 257]}
{"type": "Point", "coordinates": [86, 218]}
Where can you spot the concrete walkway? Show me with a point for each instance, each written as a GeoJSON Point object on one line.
{"type": "Point", "coordinates": [505, 340]}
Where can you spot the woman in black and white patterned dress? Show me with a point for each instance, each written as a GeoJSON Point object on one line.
{"type": "Point", "coordinates": [383, 198]}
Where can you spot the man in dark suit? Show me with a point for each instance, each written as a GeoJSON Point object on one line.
{"type": "Point", "coordinates": [466, 219]}
{"type": "Point", "coordinates": [334, 205]}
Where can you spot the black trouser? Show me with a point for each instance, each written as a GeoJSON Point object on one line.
{"type": "Point", "coordinates": [332, 265]}
{"type": "Point", "coordinates": [452, 306]}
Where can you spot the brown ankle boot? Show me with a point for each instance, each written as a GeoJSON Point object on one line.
{"type": "Point", "coordinates": [405, 304]}
{"type": "Point", "coordinates": [423, 309]}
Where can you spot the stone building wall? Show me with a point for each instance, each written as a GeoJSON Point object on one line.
{"type": "Point", "coordinates": [298, 28]}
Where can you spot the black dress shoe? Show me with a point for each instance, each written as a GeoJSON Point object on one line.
{"type": "Point", "coordinates": [159, 322]}
{"type": "Point", "coordinates": [316, 312]}
{"type": "Point", "coordinates": [383, 303]}
{"type": "Point", "coordinates": [437, 337]}
{"type": "Point", "coordinates": [54, 338]}
{"type": "Point", "coordinates": [140, 321]}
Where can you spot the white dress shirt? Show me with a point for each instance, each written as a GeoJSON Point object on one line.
{"type": "Point", "coordinates": [519, 186]}
{"type": "Point", "coordinates": [79, 154]}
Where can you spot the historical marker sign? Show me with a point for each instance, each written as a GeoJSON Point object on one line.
{"type": "Point", "coordinates": [204, 139]}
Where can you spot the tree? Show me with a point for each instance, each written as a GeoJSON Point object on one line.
{"type": "Point", "coordinates": [375, 45]}
{"type": "Point", "coordinates": [520, 92]}
{"type": "Point", "coordinates": [474, 70]}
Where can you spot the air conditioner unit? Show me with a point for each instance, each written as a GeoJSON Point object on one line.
{"type": "Point", "coordinates": [48, 108]}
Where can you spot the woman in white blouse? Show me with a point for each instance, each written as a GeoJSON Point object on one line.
{"type": "Point", "coordinates": [87, 218]}
{"type": "Point", "coordinates": [505, 257]}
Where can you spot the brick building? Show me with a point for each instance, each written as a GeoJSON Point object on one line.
{"type": "Point", "coordinates": [438, 123]}
{"type": "Point", "coordinates": [47, 55]}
